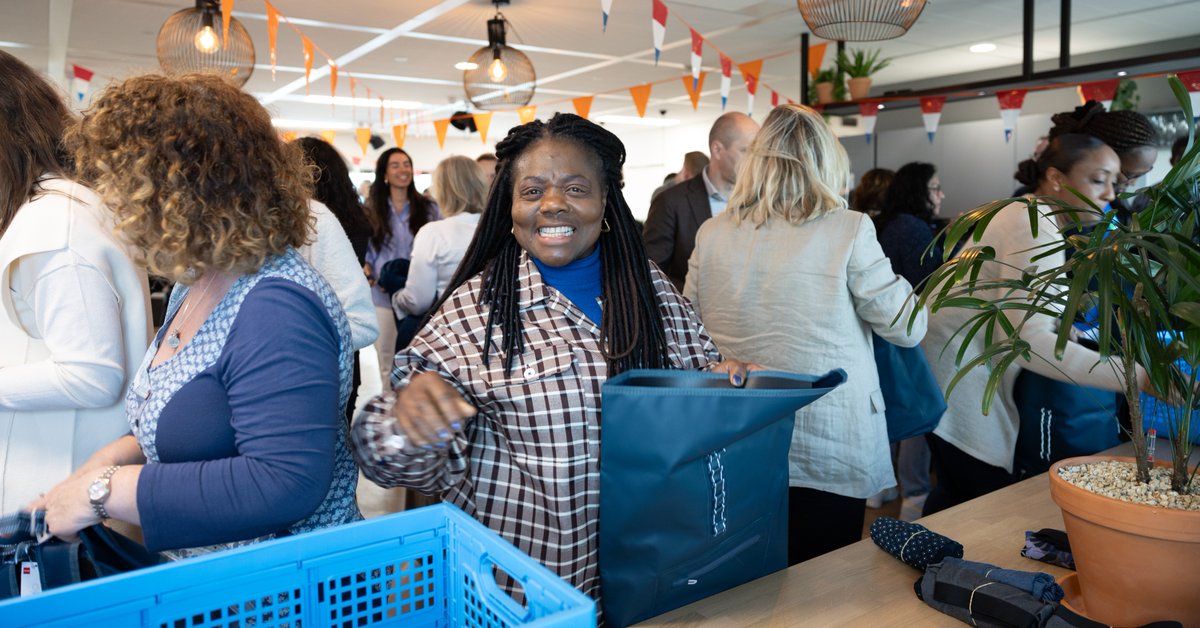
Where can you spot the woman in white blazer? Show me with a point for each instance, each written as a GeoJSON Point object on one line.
{"type": "Point", "coordinates": [75, 315]}
{"type": "Point", "coordinates": [789, 278]}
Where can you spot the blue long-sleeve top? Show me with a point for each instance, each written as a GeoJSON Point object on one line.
{"type": "Point", "coordinates": [579, 281]}
{"type": "Point", "coordinates": [247, 447]}
{"type": "Point", "coordinates": [904, 240]}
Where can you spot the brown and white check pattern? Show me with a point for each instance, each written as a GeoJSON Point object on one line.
{"type": "Point", "coordinates": [528, 465]}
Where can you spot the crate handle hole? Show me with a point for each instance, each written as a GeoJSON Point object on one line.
{"type": "Point", "coordinates": [503, 588]}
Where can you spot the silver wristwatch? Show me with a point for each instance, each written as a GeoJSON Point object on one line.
{"type": "Point", "coordinates": [99, 491]}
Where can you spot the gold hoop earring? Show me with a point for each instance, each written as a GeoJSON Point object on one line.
{"type": "Point", "coordinates": [604, 228]}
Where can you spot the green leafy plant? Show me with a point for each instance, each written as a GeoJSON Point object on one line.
{"type": "Point", "coordinates": [861, 63]}
{"type": "Point", "coordinates": [1127, 97]}
{"type": "Point", "coordinates": [1143, 277]}
{"type": "Point", "coordinates": [827, 75]}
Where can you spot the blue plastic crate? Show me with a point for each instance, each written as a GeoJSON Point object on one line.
{"type": "Point", "coordinates": [433, 566]}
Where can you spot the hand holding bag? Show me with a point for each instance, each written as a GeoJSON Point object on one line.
{"type": "Point", "coordinates": [99, 552]}
{"type": "Point", "coordinates": [913, 399]}
{"type": "Point", "coordinates": [693, 484]}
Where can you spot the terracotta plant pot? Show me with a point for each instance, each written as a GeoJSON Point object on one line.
{"type": "Point", "coordinates": [824, 92]}
{"type": "Point", "coordinates": [860, 87]}
{"type": "Point", "coordinates": [1136, 563]}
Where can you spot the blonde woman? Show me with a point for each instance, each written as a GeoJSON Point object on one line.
{"type": "Point", "coordinates": [234, 412]}
{"type": "Point", "coordinates": [789, 278]}
{"type": "Point", "coordinates": [74, 308]}
{"type": "Point", "coordinates": [461, 189]}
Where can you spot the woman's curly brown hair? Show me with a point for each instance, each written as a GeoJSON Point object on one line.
{"type": "Point", "coordinates": [195, 174]}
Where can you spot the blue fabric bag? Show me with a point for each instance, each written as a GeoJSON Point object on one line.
{"type": "Point", "coordinates": [913, 399]}
{"type": "Point", "coordinates": [1060, 420]}
{"type": "Point", "coordinates": [693, 484]}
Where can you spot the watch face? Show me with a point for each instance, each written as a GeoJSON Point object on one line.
{"type": "Point", "coordinates": [98, 491]}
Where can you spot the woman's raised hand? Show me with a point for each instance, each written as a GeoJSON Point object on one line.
{"type": "Point", "coordinates": [429, 411]}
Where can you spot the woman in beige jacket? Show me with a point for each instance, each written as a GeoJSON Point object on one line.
{"type": "Point", "coordinates": [787, 277]}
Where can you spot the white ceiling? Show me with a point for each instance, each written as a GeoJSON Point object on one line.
{"type": "Point", "coordinates": [405, 49]}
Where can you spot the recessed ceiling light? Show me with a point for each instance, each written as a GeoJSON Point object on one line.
{"type": "Point", "coordinates": [1122, 73]}
{"type": "Point", "coordinates": [401, 59]}
{"type": "Point", "coordinates": [984, 47]}
{"type": "Point", "coordinates": [466, 65]}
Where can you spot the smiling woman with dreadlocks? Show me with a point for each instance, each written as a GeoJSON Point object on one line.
{"type": "Point", "coordinates": [497, 400]}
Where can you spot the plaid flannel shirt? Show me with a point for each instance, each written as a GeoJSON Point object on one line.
{"type": "Point", "coordinates": [528, 464]}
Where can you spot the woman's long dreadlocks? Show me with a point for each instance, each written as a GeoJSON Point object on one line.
{"type": "Point", "coordinates": [631, 326]}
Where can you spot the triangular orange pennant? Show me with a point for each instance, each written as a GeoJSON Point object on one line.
{"type": "Point", "coordinates": [441, 126]}
{"type": "Point", "coordinates": [816, 56]}
{"type": "Point", "coordinates": [641, 96]}
{"type": "Point", "coordinates": [583, 105]}
{"type": "Point", "coordinates": [288, 136]}
{"type": "Point", "coordinates": [482, 121]}
{"type": "Point", "coordinates": [363, 135]}
{"type": "Point", "coordinates": [272, 33]}
{"type": "Point", "coordinates": [328, 136]}
{"type": "Point", "coordinates": [308, 52]}
{"type": "Point", "coordinates": [694, 91]}
{"type": "Point", "coordinates": [332, 83]}
{"type": "Point", "coordinates": [381, 111]}
{"type": "Point", "coordinates": [527, 113]}
{"type": "Point", "coordinates": [750, 71]}
{"type": "Point", "coordinates": [400, 131]}
{"type": "Point", "coordinates": [226, 14]}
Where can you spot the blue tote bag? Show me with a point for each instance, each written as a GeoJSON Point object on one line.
{"type": "Point", "coordinates": [911, 395]}
{"type": "Point", "coordinates": [693, 484]}
{"type": "Point", "coordinates": [1060, 420]}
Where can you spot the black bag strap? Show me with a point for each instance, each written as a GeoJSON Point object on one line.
{"type": "Point", "coordinates": [982, 605]}
{"type": "Point", "coordinates": [110, 552]}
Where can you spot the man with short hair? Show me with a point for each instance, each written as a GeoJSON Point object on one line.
{"type": "Point", "coordinates": [676, 214]}
{"type": "Point", "coordinates": [487, 162]}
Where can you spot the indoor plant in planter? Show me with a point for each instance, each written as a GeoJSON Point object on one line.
{"type": "Point", "coordinates": [859, 66]}
{"type": "Point", "coordinates": [1134, 559]}
{"type": "Point", "coordinates": [827, 87]}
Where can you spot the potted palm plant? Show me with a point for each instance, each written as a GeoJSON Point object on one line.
{"type": "Point", "coordinates": [1133, 558]}
{"type": "Point", "coordinates": [859, 66]}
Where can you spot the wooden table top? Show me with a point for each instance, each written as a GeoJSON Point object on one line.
{"type": "Point", "coordinates": [861, 585]}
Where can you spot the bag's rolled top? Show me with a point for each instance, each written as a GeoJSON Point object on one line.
{"type": "Point", "coordinates": [914, 544]}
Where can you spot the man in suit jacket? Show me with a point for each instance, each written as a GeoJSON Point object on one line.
{"type": "Point", "coordinates": [676, 214]}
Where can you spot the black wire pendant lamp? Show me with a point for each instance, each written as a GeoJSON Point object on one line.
{"type": "Point", "coordinates": [500, 77]}
{"type": "Point", "coordinates": [860, 20]}
{"type": "Point", "coordinates": [191, 41]}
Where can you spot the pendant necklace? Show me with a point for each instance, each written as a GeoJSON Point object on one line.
{"type": "Point", "coordinates": [173, 339]}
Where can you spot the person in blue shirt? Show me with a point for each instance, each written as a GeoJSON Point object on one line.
{"type": "Point", "coordinates": [235, 411]}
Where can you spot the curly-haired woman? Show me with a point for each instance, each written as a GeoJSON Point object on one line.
{"type": "Point", "coordinates": [235, 410]}
{"type": "Point", "coordinates": [74, 308]}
